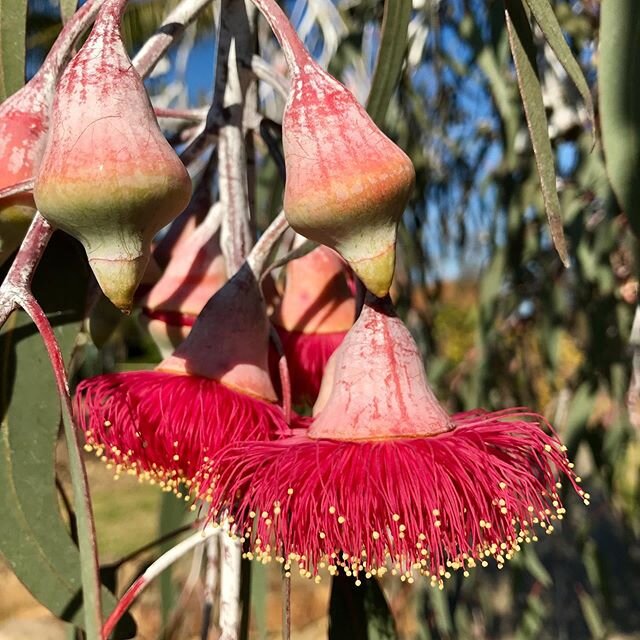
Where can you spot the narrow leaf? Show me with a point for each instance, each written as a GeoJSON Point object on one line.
{"type": "Point", "coordinates": [33, 536]}
{"type": "Point", "coordinates": [393, 46]}
{"type": "Point", "coordinates": [548, 23]}
{"type": "Point", "coordinates": [524, 56]}
{"type": "Point", "coordinates": [619, 95]}
{"type": "Point", "coordinates": [13, 24]}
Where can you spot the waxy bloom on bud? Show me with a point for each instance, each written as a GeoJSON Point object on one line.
{"type": "Point", "coordinates": [347, 183]}
{"type": "Point", "coordinates": [384, 477]}
{"type": "Point", "coordinates": [214, 389]}
{"type": "Point", "coordinates": [108, 176]}
{"type": "Point", "coordinates": [315, 313]}
{"type": "Point", "coordinates": [24, 124]}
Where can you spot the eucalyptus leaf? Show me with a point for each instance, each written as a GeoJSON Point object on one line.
{"type": "Point", "coordinates": [619, 95]}
{"type": "Point", "coordinates": [393, 46]}
{"type": "Point", "coordinates": [524, 56]}
{"type": "Point", "coordinates": [13, 25]}
{"type": "Point", "coordinates": [34, 538]}
{"type": "Point", "coordinates": [543, 13]}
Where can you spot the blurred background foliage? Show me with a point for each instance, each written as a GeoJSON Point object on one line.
{"type": "Point", "coordinates": [501, 322]}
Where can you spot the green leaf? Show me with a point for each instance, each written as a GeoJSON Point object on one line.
{"type": "Point", "coordinates": [393, 46]}
{"type": "Point", "coordinates": [524, 55]}
{"type": "Point", "coordinates": [548, 23]}
{"type": "Point", "coordinates": [619, 95]}
{"type": "Point", "coordinates": [13, 24]}
{"type": "Point", "coordinates": [67, 9]}
{"type": "Point", "coordinates": [33, 536]}
{"type": "Point", "coordinates": [359, 612]}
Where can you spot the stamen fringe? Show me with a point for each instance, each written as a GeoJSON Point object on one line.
{"type": "Point", "coordinates": [163, 427]}
{"type": "Point", "coordinates": [427, 505]}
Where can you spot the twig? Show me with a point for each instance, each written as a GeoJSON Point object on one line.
{"type": "Point", "coordinates": [170, 30]}
{"type": "Point", "coordinates": [227, 111]}
{"type": "Point", "coordinates": [210, 585]}
{"type": "Point", "coordinates": [188, 588]}
{"type": "Point", "coordinates": [152, 572]}
{"type": "Point", "coordinates": [230, 586]}
{"type": "Point", "coordinates": [265, 72]}
{"type": "Point", "coordinates": [190, 115]}
{"type": "Point", "coordinates": [258, 256]}
{"type": "Point", "coordinates": [286, 606]}
{"type": "Point", "coordinates": [18, 188]}
{"type": "Point", "coordinates": [154, 543]}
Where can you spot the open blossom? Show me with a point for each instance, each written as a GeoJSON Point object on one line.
{"type": "Point", "coordinates": [385, 478]}
{"type": "Point", "coordinates": [215, 388]}
{"type": "Point", "coordinates": [315, 313]}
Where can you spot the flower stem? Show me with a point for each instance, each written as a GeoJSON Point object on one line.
{"type": "Point", "coordinates": [294, 51]}
{"type": "Point", "coordinates": [152, 572]}
{"type": "Point", "coordinates": [286, 607]}
{"type": "Point", "coordinates": [230, 611]}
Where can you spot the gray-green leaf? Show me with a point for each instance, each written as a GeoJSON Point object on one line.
{"type": "Point", "coordinates": [33, 536]}
{"type": "Point", "coordinates": [550, 27]}
{"type": "Point", "coordinates": [619, 95]}
{"type": "Point", "coordinates": [13, 24]}
{"type": "Point", "coordinates": [524, 55]}
{"type": "Point", "coordinates": [393, 46]}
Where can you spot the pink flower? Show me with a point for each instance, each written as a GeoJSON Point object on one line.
{"type": "Point", "coordinates": [214, 389]}
{"type": "Point", "coordinates": [385, 478]}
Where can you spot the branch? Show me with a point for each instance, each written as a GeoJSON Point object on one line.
{"type": "Point", "coordinates": [170, 30]}
{"type": "Point", "coordinates": [152, 572]}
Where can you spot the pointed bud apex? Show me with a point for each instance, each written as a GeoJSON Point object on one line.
{"type": "Point", "coordinates": [229, 341]}
{"type": "Point", "coordinates": [108, 176]}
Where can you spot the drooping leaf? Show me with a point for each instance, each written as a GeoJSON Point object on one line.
{"type": "Point", "coordinates": [13, 24]}
{"type": "Point", "coordinates": [543, 13]}
{"type": "Point", "coordinates": [33, 536]}
{"type": "Point", "coordinates": [393, 45]}
{"type": "Point", "coordinates": [359, 612]}
{"type": "Point", "coordinates": [524, 55]}
{"type": "Point", "coordinates": [619, 95]}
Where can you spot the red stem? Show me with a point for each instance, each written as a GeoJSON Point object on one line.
{"type": "Point", "coordinates": [294, 51]}
{"type": "Point", "coordinates": [286, 607]}
{"type": "Point", "coordinates": [18, 279]}
{"type": "Point", "coordinates": [87, 534]}
{"type": "Point", "coordinates": [123, 605]}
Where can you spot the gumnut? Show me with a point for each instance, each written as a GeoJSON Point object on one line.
{"type": "Point", "coordinates": [24, 123]}
{"type": "Point", "coordinates": [108, 175]}
{"type": "Point", "coordinates": [347, 183]}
